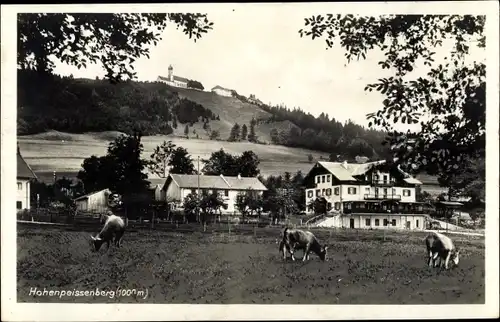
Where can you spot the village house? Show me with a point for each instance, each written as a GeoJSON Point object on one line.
{"type": "Point", "coordinates": [178, 186]}
{"type": "Point", "coordinates": [155, 188]}
{"type": "Point", "coordinates": [173, 80]}
{"type": "Point", "coordinates": [96, 201]}
{"type": "Point", "coordinates": [219, 90]}
{"type": "Point", "coordinates": [366, 195]}
{"type": "Point", "coordinates": [24, 177]}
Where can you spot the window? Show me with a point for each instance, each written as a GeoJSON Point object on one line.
{"type": "Point", "coordinates": [336, 191]}
{"type": "Point", "coordinates": [329, 206]}
{"type": "Point", "coordinates": [393, 191]}
{"type": "Point", "coordinates": [310, 207]}
{"type": "Point", "coordinates": [19, 205]}
{"type": "Point", "coordinates": [226, 193]}
{"type": "Point", "coordinates": [323, 192]}
{"type": "Point", "coordinates": [385, 191]}
{"type": "Point", "coordinates": [317, 192]}
{"type": "Point", "coordinates": [367, 190]}
{"type": "Point", "coordinates": [377, 222]}
{"type": "Point", "coordinates": [328, 192]}
{"type": "Point", "coordinates": [337, 206]}
{"type": "Point", "coordinates": [394, 222]}
{"type": "Point", "coordinates": [351, 191]}
{"type": "Point", "coordinates": [362, 205]}
{"type": "Point", "coordinates": [416, 223]}
{"type": "Point", "coordinates": [328, 178]}
{"type": "Point", "coordinates": [376, 191]}
{"type": "Point", "coordinates": [376, 177]}
{"type": "Point", "coordinates": [318, 179]}
{"type": "Point", "coordinates": [348, 205]}
{"type": "Point", "coordinates": [19, 186]}
{"type": "Point", "coordinates": [310, 194]}
{"type": "Point", "coordinates": [406, 192]}
{"type": "Point", "coordinates": [385, 178]}
{"type": "Point", "coordinates": [323, 179]}
{"type": "Point", "coordinates": [386, 222]}
{"type": "Point", "coordinates": [224, 206]}
{"type": "Point", "coordinates": [367, 222]}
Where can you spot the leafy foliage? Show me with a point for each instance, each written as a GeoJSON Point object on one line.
{"type": "Point", "coordinates": [82, 105]}
{"type": "Point", "coordinates": [115, 40]}
{"type": "Point", "coordinates": [234, 135]}
{"type": "Point", "coordinates": [249, 202]}
{"type": "Point", "coordinates": [160, 158]}
{"type": "Point", "coordinates": [195, 84]}
{"type": "Point", "coordinates": [120, 170]}
{"type": "Point", "coordinates": [226, 164]}
{"type": "Point", "coordinates": [180, 162]}
{"type": "Point", "coordinates": [448, 103]}
{"type": "Point", "coordinates": [244, 132]}
{"type": "Point", "coordinates": [252, 137]}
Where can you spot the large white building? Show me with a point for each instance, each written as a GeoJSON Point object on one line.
{"type": "Point", "coordinates": [173, 80]}
{"type": "Point", "coordinates": [365, 195]}
{"type": "Point", "coordinates": [178, 186]}
{"type": "Point", "coordinates": [24, 177]}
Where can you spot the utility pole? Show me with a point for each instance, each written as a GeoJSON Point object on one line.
{"type": "Point", "coordinates": [198, 192]}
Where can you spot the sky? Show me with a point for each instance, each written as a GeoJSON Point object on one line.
{"type": "Point", "coordinates": [264, 55]}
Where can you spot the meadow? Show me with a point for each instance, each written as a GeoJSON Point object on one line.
{"type": "Point", "coordinates": [243, 266]}
{"type": "Point", "coordinates": [65, 152]}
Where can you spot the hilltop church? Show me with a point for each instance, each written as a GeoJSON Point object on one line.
{"type": "Point", "coordinates": [173, 80]}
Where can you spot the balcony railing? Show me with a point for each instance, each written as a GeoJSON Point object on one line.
{"type": "Point", "coordinates": [375, 208]}
{"type": "Point", "coordinates": [383, 182]}
{"type": "Point", "coordinates": [382, 197]}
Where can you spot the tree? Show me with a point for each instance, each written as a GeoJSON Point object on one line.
{"type": "Point", "coordinates": [160, 158]}
{"type": "Point", "coordinates": [181, 162]}
{"type": "Point", "coordinates": [252, 137]}
{"type": "Point", "coordinates": [244, 132]}
{"type": "Point", "coordinates": [234, 135]}
{"type": "Point", "coordinates": [195, 84]}
{"type": "Point", "coordinates": [310, 158]}
{"type": "Point", "coordinates": [247, 164]}
{"type": "Point", "coordinates": [448, 102]}
{"type": "Point", "coordinates": [248, 203]}
{"type": "Point", "coordinates": [115, 40]}
{"type": "Point", "coordinates": [174, 122]}
{"type": "Point", "coordinates": [124, 154]}
{"type": "Point", "coordinates": [219, 163]}
{"type": "Point", "coordinates": [186, 131]}
{"type": "Point", "coordinates": [214, 135]}
{"type": "Point", "coordinates": [96, 173]}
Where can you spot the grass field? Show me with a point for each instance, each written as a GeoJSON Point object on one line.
{"type": "Point", "coordinates": [245, 267]}
{"type": "Point", "coordinates": [65, 152]}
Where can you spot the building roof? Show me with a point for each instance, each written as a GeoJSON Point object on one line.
{"type": "Point", "coordinates": [223, 88]}
{"type": "Point", "coordinates": [412, 181]}
{"type": "Point", "coordinates": [176, 78]}
{"type": "Point", "coordinates": [89, 194]}
{"type": "Point", "coordinates": [338, 170]}
{"type": "Point", "coordinates": [153, 182]}
{"type": "Point", "coordinates": [451, 203]}
{"type": "Point", "coordinates": [217, 182]}
{"type": "Point", "coordinates": [245, 183]}
{"type": "Point", "coordinates": [23, 169]}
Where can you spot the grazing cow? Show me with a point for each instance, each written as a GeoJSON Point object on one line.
{"type": "Point", "coordinates": [299, 239]}
{"type": "Point", "coordinates": [113, 230]}
{"type": "Point", "coordinates": [441, 250]}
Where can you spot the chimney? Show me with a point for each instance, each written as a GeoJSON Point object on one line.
{"type": "Point", "coordinates": [239, 176]}
{"type": "Point", "coordinates": [344, 164]}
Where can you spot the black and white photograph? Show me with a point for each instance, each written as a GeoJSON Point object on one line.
{"type": "Point", "coordinates": [298, 157]}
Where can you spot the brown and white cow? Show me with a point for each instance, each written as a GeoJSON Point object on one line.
{"type": "Point", "coordinates": [441, 250]}
{"type": "Point", "coordinates": [294, 239]}
{"type": "Point", "coordinates": [113, 231]}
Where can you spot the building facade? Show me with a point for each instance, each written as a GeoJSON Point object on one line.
{"type": "Point", "coordinates": [219, 90]}
{"type": "Point", "coordinates": [173, 80]}
{"type": "Point", "coordinates": [178, 186]}
{"type": "Point", "coordinates": [96, 201]}
{"type": "Point", "coordinates": [24, 177]}
{"type": "Point", "coordinates": [367, 195]}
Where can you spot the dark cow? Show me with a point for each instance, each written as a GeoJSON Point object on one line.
{"type": "Point", "coordinates": [440, 249]}
{"type": "Point", "coordinates": [113, 231]}
{"type": "Point", "coordinates": [300, 239]}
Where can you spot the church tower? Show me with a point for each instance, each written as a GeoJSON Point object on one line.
{"type": "Point", "coordinates": [170, 73]}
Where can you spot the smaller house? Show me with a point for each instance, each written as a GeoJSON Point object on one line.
{"type": "Point", "coordinates": [219, 90]}
{"type": "Point", "coordinates": [155, 188]}
{"type": "Point", "coordinates": [96, 201]}
{"type": "Point", "coordinates": [178, 186]}
{"type": "Point", "coordinates": [24, 176]}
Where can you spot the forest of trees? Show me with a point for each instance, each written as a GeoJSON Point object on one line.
{"type": "Point", "coordinates": [83, 105]}
{"type": "Point", "coordinates": [324, 134]}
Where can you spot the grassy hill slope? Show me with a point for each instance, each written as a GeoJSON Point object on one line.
{"type": "Point", "coordinates": [230, 111]}
{"type": "Point", "coordinates": [65, 152]}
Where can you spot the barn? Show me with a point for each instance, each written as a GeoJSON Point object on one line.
{"type": "Point", "coordinates": [94, 202]}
